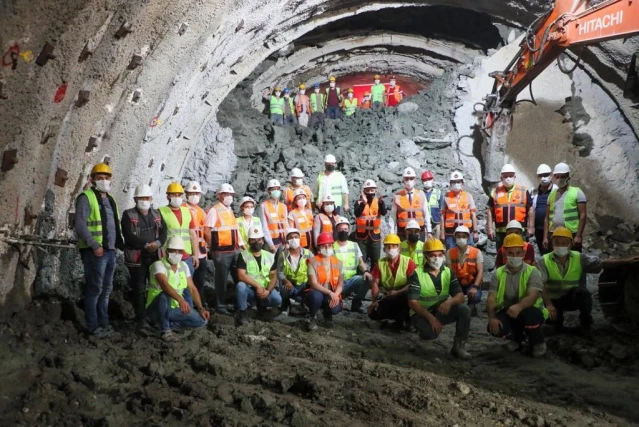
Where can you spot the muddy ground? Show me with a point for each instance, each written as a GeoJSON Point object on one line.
{"type": "Point", "coordinates": [277, 374]}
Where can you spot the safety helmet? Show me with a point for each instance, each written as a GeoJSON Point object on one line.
{"type": "Point", "coordinates": [325, 239]}
{"type": "Point", "coordinates": [302, 86]}
{"type": "Point", "coordinates": [176, 243]}
{"type": "Point", "coordinates": [296, 173]}
{"type": "Point", "coordinates": [427, 175]}
{"type": "Point", "coordinates": [409, 173]}
{"type": "Point", "coordinates": [456, 176]}
{"type": "Point", "coordinates": [561, 168]}
{"type": "Point", "coordinates": [462, 229]}
{"type": "Point", "coordinates": [507, 168]}
{"type": "Point", "coordinates": [343, 220]}
{"type": "Point", "coordinates": [101, 168]}
{"type": "Point", "coordinates": [392, 239]}
{"type": "Point", "coordinates": [514, 224]}
{"type": "Point", "coordinates": [513, 241]}
{"type": "Point", "coordinates": [272, 183]}
{"type": "Point", "coordinates": [225, 188]}
{"type": "Point", "coordinates": [316, 85]}
{"type": "Point", "coordinates": [377, 77]}
{"type": "Point", "coordinates": [175, 187]}
{"type": "Point", "coordinates": [278, 89]}
{"type": "Point", "coordinates": [143, 190]}
{"type": "Point", "coordinates": [291, 231]}
{"type": "Point", "coordinates": [413, 224]}
{"type": "Point", "coordinates": [392, 77]}
{"type": "Point", "coordinates": [246, 199]}
{"type": "Point", "coordinates": [330, 159]}
{"type": "Point", "coordinates": [331, 79]}
{"type": "Point", "coordinates": [350, 90]}
{"type": "Point", "coordinates": [432, 245]}
{"type": "Point", "coordinates": [562, 232]}
{"type": "Point", "coordinates": [193, 187]}
{"type": "Point", "coordinates": [543, 168]}
{"type": "Point", "coordinates": [286, 90]}
{"type": "Point", "coordinates": [369, 183]}
{"type": "Point", "coordinates": [367, 93]}
{"type": "Point", "coordinates": [328, 199]}
{"type": "Point", "coordinates": [256, 233]}
{"type": "Point", "coordinates": [299, 192]}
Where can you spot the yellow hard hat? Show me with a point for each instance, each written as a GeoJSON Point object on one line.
{"type": "Point", "coordinates": [331, 79]}
{"type": "Point", "coordinates": [350, 91]}
{"type": "Point", "coordinates": [278, 89]}
{"type": "Point", "coordinates": [392, 239]}
{"type": "Point", "coordinates": [302, 86]}
{"type": "Point", "coordinates": [377, 77]}
{"type": "Point", "coordinates": [432, 245]}
{"type": "Point", "coordinates": [174, 187]}
{"type": "Point", "coordinates": [101, 168]}
{"type": "Point", "coordinates": [513, 241]}
{"type": "Point", "coordinates": [562, 232]}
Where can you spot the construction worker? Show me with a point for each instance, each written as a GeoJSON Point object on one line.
{"type": "Point", "coordinates": [412, 247]}
{"type": "Point", "coordinates": [292, 269]}
{"type": "Point", "coordinates": [247, 220]}
{"type": "Point", "coordinates": [566, 208]}
{"type": "Point", "coordinates": [436, 299]}
{"type": "Point", "coordinates": [514, 227]}
{"type": "Point", "coordinates": [97, 225]}
{"type": "Point", "coordinates": [540, 204]}
{"type": "Point", "coordinates": [257, 278]}
{"type": "Point", "coordinates": [378, 94]}
{"type": "Point", "coordinates": [179, 222]}
{"type": "Point", "coordinates": [276, 106]}
{"type": "Point", "coordinates": [394, 93]}
{"type": "Point", "coordinates": [350, 255]}
{"type": "Point", "coordinates": [435, 199]}
{"type": "Point", "coordinates": [509, 201]}
{"type": "Point", "coordinates": [326, 220]}
{"type": "Point", "coordinates": [193, 196]}
{"type": "Point", "coordinates": [563, 274]}
{"type": "Point", "coordinates": [467, 264]}
{"type": "Point", "coordinates": [223, 237]}
{"type": "Point", "coordinates": [369, 211]}
{"type": "Point", "coordinates": [317, 100]}
{"type": "Point", "coordinates": [514, 304]}
{"type": "Point", "coordinates": [458, 208]}
{"type": "Point", "coordinates": [172, 294]}
{"type": "Point", "coordinates": [409, 203]}
{"type": "Point", "coordinates": [144, 234]}
{"type": "Point", "coordinates": [273, 215]}
{"type": "Point", "coordinates": [332, 182]}
{"type": "Point", "coordinates": [302, 106]}
{"type": "Point", "coordinates": [325, 283]}
{"type": "Point", "coordinates": [366, 101]}
{"type": "Point", "coordinates": [333, 99]}
{"type": "Point", "coordinates": [289, 108]}
{"type": "Point", "coordinates": [301, 218]}
{"type": "Point", "coordinates": [390, 275]}
{"type": "Point", "coordinates": [296, 182]}
{"type": "Point", "coordinates": [350, 104]}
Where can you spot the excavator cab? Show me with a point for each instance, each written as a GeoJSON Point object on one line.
{"type": "Point", "coordinates": [631, 91]}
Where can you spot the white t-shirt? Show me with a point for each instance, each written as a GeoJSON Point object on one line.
{"type": "Point", "coordinates": [158, 267]}
{"type": "Point", "coordinates": [558, 218]}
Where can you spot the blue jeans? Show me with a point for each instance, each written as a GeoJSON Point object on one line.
{"type": "Point", "coordinates": [160, 311]}
{"type": "Point", "coordinates": [332, 112]}
{"type": "Point", "coordinates": [477, 297]}
{"type": "Point", "coordinates": [277, 119]}
{"type": "Point", "coordinates": [189, 263]}
{"type": "Point", "coordinates": [355, 285]}
{"type": "Point", "coordinates": [295, 294]}
{"type": "Point", "coordinates": [315, 300]}
{"type": "Point", "coordinates": [98, 284]}
{"type": "Point", "coordinates": [289, 120]}
{"type": "Point", "coordinates": [450, 241]}
{"type": "Point", "coordinates": [245, 295]}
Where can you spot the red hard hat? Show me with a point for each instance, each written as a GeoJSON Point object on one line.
{"type": "Point", "coordinates": [427, 175]}
{"type": "Point", "coordinates": [325, 239]}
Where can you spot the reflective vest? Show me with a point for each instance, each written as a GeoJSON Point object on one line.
{"type": "Point", "coordinates": [349, 258]}
{"type": "Point", "coordinates": [276, 220]}
{"type": "Point", "coordinates": [432, 198]}
{"type": "Point", "coordinates": [175, 229]}
{"type": "Point", "coordinates": [558, 285]}
{"type": "Point", "coordinates": [328, 280]}
{"type": "Point", "coordinates": [299, 275]}
{"type": "Point", "coordinates": [259, 273]}
{"type": "Point", "coordinates": [394, 95]}
{"type": "Point", "coordinates": [277, 105]}
{"type": "Point", "coordinates": [504, 258]}
{"type": "Point", "coordinates": [317, 102]}
{"type": "Point", "coordinates": [378, 92]}
{"type": "Point", "coordinates": [339, 93]}
{"type": "Point", "coordinates": [388, 281]}
{"type": "Point", "coordinates": [328, 223]}
{"type": "Point", "coordinates": [200, 221]}
{"type": "Point", "coordinates": [365, 105]}
{"type": "Point", "coordinates": [177, 280]}
{"type": "Point", "coordinates": [303, 221]}
{"type": "Point", "coordinates": [407, 211]}
{"type": "Point", "coordinates": [428, 296]}
{"type": "Point", "coordinates": [225, 233]}
{"type": "Point", "coordinates": [334, 185]}
{"type": "Point", "coordinates": [301, 101]}
{"type": "Point", "coordinates": [466, 273]}
{"type": "Point", "coordinates": [509, 205]}
{"type": "Point", "coordinates": [417, 254]}
{"type": "Point", "coordinates": [523, 288]}
{"type": "Point", "coordinates": [290, 106]}
{"type": "Point", "coordinates": [350, 106]}
{"type": "Point", "coordinates": [289, 193]}
{"type": "Point", "coordinates": [132, 256]}
{"type": "Point", "coordinates": [571, 213]}
{"type": "Point", "coordinates": [94, 221]}
{"type": "Point", "coordinates": [369, 222]}
{"type": "Point", "coordinates": [457, 212]}
{"type": "Point", "coordinates": [241, 225]}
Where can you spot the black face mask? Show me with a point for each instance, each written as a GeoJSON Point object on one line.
{"type": "Point", "coordinates": [256, 246]}
{"type": "Point", "coordinates": [370, 197]}
{"type": "Point", "coordinates": [330, 167]}
{"type": "Point", "coordinates": [413, 238]}
{"type": "Point", "coordinates": [342, 236]}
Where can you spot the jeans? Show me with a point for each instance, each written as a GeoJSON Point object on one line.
{"type": "Point", "coordinates": [98, 284]}
{"type": "Point", "coordinates": [289, 120]}
{"type": "Point", "coordinates": [139, 277]}
{"type": "Point", "coordinates": [160, 311]}
{"type": "Point", "coordinates": [459, 314]}
{"type": "Point", "coordinates": [394, 308]}
{"type": "Point", "coordinates": [189, 263]}
{"type": "Point", "coordinates": [371, 249]}
{"type": "Point", "coordinates": [315, 300]}
{"type": "Point", "coordinates": [576, 299]}
{"type": "Point", "coordinates": [224, 262]}
{"type": "Point", "coordinates": [377, 105]}
{"type": "Point", "coordinates": [277, 119]}
{"type": "Point", "coordinates": [296, 293]}
{"type": "Point", "coordinates": [332, 112]}
{"type": "Point", "coordinates": [527, 324]}
{"type": "Point", "coordinates": [450, 241]}
{"type": "Point", "coordinates": [317, 120]}
{"type": "Point", "coordinates": [476, 299]}
{"type": "Point", "coordinates": [355, 285]}
{"type": "Point", "coordinates": [198, 279]}
{"type": "Point", "coordinates": [245, 295]}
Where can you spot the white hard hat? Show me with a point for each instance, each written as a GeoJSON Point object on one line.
{"type": "Point", "coordinates": [462, 229]}
{"type": "Point", "coordinates": [508, 168]}
{"type": "Point", "coordinates": [561, 168]}
{"type": "Point", "coordinates": [272, 183]}
{"type": "Point", "coordinates": [225, 188]}
{"type": "Point", "coordinates": [514, 224]}
{"type": "Point", "coordinates": [299, 192]}
{"type": "Point", "coordinates": [456, 176]}
{"type": "Point", "coordinates": [330, 159]}
{"type": "Point", "coordinates": [256, 233]}
{"type": "Point", "coordinates": [143, 190]}
{"type": "Point", "coordinates": [413, 225]}
{"type": "Point", "coordinates": [369, 183]}
{"type": "Point", "coordinates": [291, 231]}
{"type": "Point", "coordinates": [543, 168]}
{"type": "Point", "coordinates": [175, 242]}
{"type": "Point", "coordinates": [342, 220]}
{"type": "Point", "coordinates": [193, 187]}
{"type": "Point", "coordinates": [328, 199]}
{"type": "Point", "coordinates": [296, 173]}
{"type": "Point", "coordinates": [246, 199]}
{"type": "Point", "coordinates": [409, 173]}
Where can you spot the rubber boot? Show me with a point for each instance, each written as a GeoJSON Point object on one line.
{"type": "Point", "coordinates": [459, 350]}
{"type": "Point", "coordinates": [356, 306]}
{"type": "Point", "coordinates": [242, 319]}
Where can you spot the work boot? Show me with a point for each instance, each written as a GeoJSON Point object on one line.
{"type": "Point", "coordinates": [221, 310]}
{"type": "Point", "coordinates": [473, 310]}
{"type": "Point", "coordinates": [261, 313]}
{"type": "Point", "coordinates": [356, 306]}
{"type": "Point", "coordinates": [328, 320]}
{"type": "Point", "coordinates": [312, 324]}
{"type": "Point", "coordinates": [169, 336]}
{"type": "Point", "coordinates": [539, 350]}
{"type": "Point", "coordinates": [512, 346]}
{"type": "Point", "coordinates": [286, 306]}
{"type": "Point", "coordinates": [397, 326]}
{"type": "Point", "coordinates": [242, 319]}
{"type": "Point", "coordinates": [459, 350]}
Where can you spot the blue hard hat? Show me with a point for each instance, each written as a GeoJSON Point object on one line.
{"type": "Point", "coordinates": [316, 85]}
{"type": "Point", "coordinates": [286, 90]}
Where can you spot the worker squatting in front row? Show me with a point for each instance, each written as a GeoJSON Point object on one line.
{"type": "Point", "coordinates": [289, 253]}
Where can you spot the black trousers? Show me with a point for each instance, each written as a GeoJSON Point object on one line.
{"type": "Point", "coordinates": [526, 325]}
{"type": "Point", "coordinates": [198, 279]}
{"type": "Point", "coordinates": [576, 299]}
{"type": "Point", "coordinates": [137, 282]}
{"type": "Point", "coordinates": [371, 249]}
{"type": "Point", "coordinates": [394, 308]}
{"type": "Point", "coordinates": [539, 238]}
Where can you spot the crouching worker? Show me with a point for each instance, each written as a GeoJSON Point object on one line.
{"type": "Point", "coordinates": [292, 269]}
{"type": "Point", "coordinates": [349, 253]}
{"type": "Point", "coordinates": [257, 275]}
{"type": "Point", "coordinates": [436, 299]}
{"type": "Point", "coordinates": [172, 293]}
{"type": "Point", "coordinates": [325, 282]}
{"type": "Point", "coordinates": [467, 263]}
{"type": "Point", "coordinates": [515, 307]}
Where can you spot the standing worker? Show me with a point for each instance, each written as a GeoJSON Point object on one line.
{"type": "Point", "coordinates": [247, 220]}
{"type": "Point", "coordinates": [273, 215]}
{"type": "Point", "coordinates": [369, 211]}
{"type": "Point", "coordinates": [333, 99]}
{"type": "Point", "coordinates": [317, 100]}
{"type": "Point", "coordinates": [366, 101]}
{"type": "Point", "coordinates": [410, 203]}
{"type": "Point", "coordinates": [540, 204]}
{"type": "Point", "coordinates": [378, 94]}
{"type": "Point", "coordinates": [193, 197]}
{"type": "Point", "coordinates": [435, 200]}
{"type": "Point", "coordinates": [350, 103]}
{"type": "Point", "coordinates": [350, 255]}
{"type": "Point", "coordinates": [467, 263]}
{"type": "Point", "coordinates": [276, 106]}
{"type": "Point", "coordinates": [296, 182]}
{"type": "Point", "coordinates": [289, 108]}
{"type": "Point", "coordinates": [301, 219]}
{"type": "Point", "coordinates": [332, 182]}
{"type": "Point", "coordinates": [179, 222]}
{"type": "Point", "coordinates": [394, 93]}
{"type": "Point", "coordinates": [458, 209]}
{"type": "Point", "coordinates": [97, 225]}
{"type": "Point", "coordinates": [302, 106]}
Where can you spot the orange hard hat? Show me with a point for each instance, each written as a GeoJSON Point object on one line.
{"type": "Point", "coordinates": [366, 93]}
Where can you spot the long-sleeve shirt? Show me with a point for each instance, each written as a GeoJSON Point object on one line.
{"type": "Point", "coordinates": [360, 205]}
{"type": "Point", "coordinates": [425, 209]}
{"type": "Point", "coordinates": [147, 231]}
{"type": "Point", "coordinates": [82, 212]}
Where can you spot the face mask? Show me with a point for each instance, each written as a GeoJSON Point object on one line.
{"type": "Point", "coordinates": [508, 181]}
{"type": "Point", "coordinates": [561, 251]}
{"type": "Point", "coordinates": [370, 197]}
{"type": "Point", "coordinates": [302, 92]}
{"type": "Point", "coordinates": [316, 90]}
{"type": "Point", "coordinates": [428, 184]}
{"type": "Point", "coordinates": [330, 167]}
{"type": "Point", "coordinates": [301, 203]}
{"type": "Point", "coordinates": [174, 258]}
{"type": "Point", "coordinates": [392, 82]}
{"type": "Point", "coordinates": [413, 238]}
{"type": "Point", "coordinates": [297, 182]}
{"type": "Point", "coordinates": [461, 242]}
{"type": "Point", "coordinates": [294, 243]}
{"type": "Point", "coordinates": [545, 180]}
{"type": "Point", "coordinates": [326, 252]}
{"type": "Point", "coordinates": [278, 94]}
{"type": "Point", "coordinates": [143, 205]}
{"type": "Point", "coordinates": [103, 185]}
{"type": "Point", "coordinates": [248, 211]}
{"type": "Point", "coordinates": [227, 200]}
{"type": "Point", "coordinates": [332, 84]}
{"type": "Point", "coordinates": [436, 262]}
{"type": "Point", "coordinates": [329, 208]}
{"type": "Point", "coordinates": [176, 202]}
{"type": "Point", "coordinates": [562, 182]}
{"type": "Point", "coordinates": [457, 187]}
{"type": "Point", "coordinates": [256, 246]}
{"type": "Point", "coordinates": [409, 185]}
{"type": "Point", "coordinates": [350, 95]}
{"type": "Point", "coordinates": [376, 82]}
{"type": "Point", "coordinates": [286, 95]}
{"type": "Point", "coordinates": [342, 236]}
{"type": "Point", "coordinates": [194, 200]}
{"type": "Point", "coordinates": [276, 194]}
{"type": "Point", "coordinates": [392, 253]}
{"type": "Point", "coordinates": [515, 261]}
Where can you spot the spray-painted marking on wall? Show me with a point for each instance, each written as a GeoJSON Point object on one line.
{"type": "Point", "coordinates": [60, 93]}
{"type": "Point", "coordinates": [10, 57]}
{"type": "Point", "coordinates": [27, 55]}
{"type": "Point", "coordinates": [155, 122]}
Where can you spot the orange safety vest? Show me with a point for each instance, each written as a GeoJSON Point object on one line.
{"type": "Point", "coordinates": [396, 93]}
{"type": "Point", "coordinates": [407, 211]}
{"type": "Point", "coordinates": [200, 220]}
{"type": "Point", "coordinates": [509, 208]}
{"type": "Point", "coordinates": [225, 234]}
{"type": "Point", "coordinates": [504, 258]}
{"type": "Point", "coordinates": [466, 273]}
{"type": "Point", "coordinates": [323, 278]}
{"type": "Point", "coordinates": [303, 221]}
{"type": "Point", "coordinates": [303, 100]}
{"type": "Point", "coordinates": [327, 224]}
{"type": "Point", "coordinates": [276, 220]}
{"type": "Point", "coordinates": [365, 105]}
{"type": "Point", "coordinates": [457, 212]}
{"type": "Point", "coordinates": [289, 192]}
{"type": "Point", "coordinates": [369, 222]}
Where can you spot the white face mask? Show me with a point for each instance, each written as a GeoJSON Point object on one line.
{"type": "Point", "coordinates": [561, 251]}
{"type": "Point", "coordinates": [515, 261]}
{"type": "Point", "coordinates": [286, 95]}
{"type": "Point", "coordinates": [508, 181]}
{"type": "Point", "coordinates": [409, 185]}
{"type": "Point", "coordinates": [350, 95]}
{"type": "Point", "coordinates": [227, 201]}
{"type": "Point", "coordinates": [457, 187]}
{"type": "Point", "coordinates": [103, 185]}
{"type": "Point", "coordinates": [143, 205]}
{"type": "Point", "coordinates": [376, 82]}
{"type": "Point", "coordinates": [392, 82]}
{"type": "Point", "coordinates": [248, 211]}
{"type": "Point", "coordinates": [332, 84]}
{"type": "Point", "coordinates": [428, 184]}
{"type": "Point", "coordinates": [194, 200]}
{"type": "Point", "coordinates": [436, 262]}
{"type": "Point", "coordinates": [329, 208]}
{"type": "Point", "coordinates": [294, 243]}
{"type": "Point", "coordinates": [301, 203]}
{"type": "Point", "coordinates": [278, 93]}
{"type": "Point", "coordinates": [275, 194]}
{"type": "Point", "coordinates": [562, 182]}
{"type": "Point", "coordinates": [176, 202]}
{"type": "Point", "coordinates": [297, 182]}
{"type": "Point", "coordinates": [461, 242]}
{"type": "Point", "coordinates": [392, 253]}
{"type": "Point", "coordinates": [302, 91]}
{"type": "Point", "coordinates": [545, 180]}
{"type": "Point", "coordinates": [317, 90]}
{"type": "Point", "coordinates": [326, 252]}
{"type": "Point", "coordinates": [174, 258]}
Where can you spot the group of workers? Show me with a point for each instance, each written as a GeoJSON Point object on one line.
{"type": "Point", "coordinates": [296, 246]}
{"type": "Point", "coordinates": [288, 109]}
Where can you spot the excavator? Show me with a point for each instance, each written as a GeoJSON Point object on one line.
{"type": "Point", "coordinates": [570, 23]}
